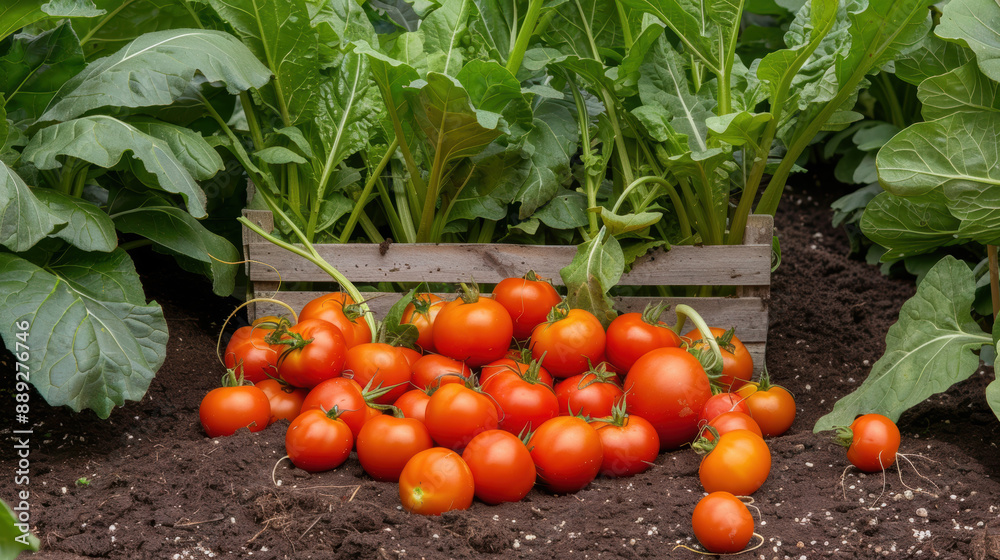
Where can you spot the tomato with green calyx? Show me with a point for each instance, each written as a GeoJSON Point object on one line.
{"type": "Point", "coordinates": [722, 523]}
{"type": "Point", "coordinates": [312, 352]}
{"type": "Point", "coordinates": [421, 313]}
{"type": "Point", "coordinates": [631, 335]}
{"type": "Point", "coordinates": [413, 403]}
{"type": "Point", "coordinates": [455, 414]}
{"type": "Point", "coordinates": [569, 342]}
{"type": "Point", "coordinates": [668, 387]}
{"type": "Point", "coordinates": [567, 453]}
{"type": "Point", "coordinates": [233, 406]}
{"type": "Point", "coordinates": [286, 401]}
{"type": "Point", "coordinates": [738, 462]}
{"type": "Point", "coordinates": [871, 441]}
{"type": "Point", "coordinates": [728, 422]}
{"type": "Point", "coordinates": [249, 351]}
{"type": "Point", "coordinates": [771, 406]}
{"type": "Point", "coordinates": [387, 442]}
{"type": "Point", "coordinates": [381, 365]}
{"type": "Point", "coordinates": [432, 370]}
{"type": "Point", "coordinates": [501, 467]}
{"type": "Point", "coordinates": [318, 441]}
{"type": "Point", "coordinates": [723, 402]}
{"type": "Point", "coordinates": [737, 364]}
{"type": "Point", "coordinates": [522, 402]}
{"type": "Point", "coordinates": [528, 300]}
{"type": "Point", "coordinates": [473, 329]}
{"type": "Point", "coordinates": [630, 442]}
{"type": "Point", "coordinates": [435, 481]}
{"type": "Point", "coordinates": [343, 312]}
{"type": "Point", "coordinates": [593, 394]}
{"type": "Point", "coordinates": [357, 404]}
{"type": "Point", "coordinates": [515, 365]}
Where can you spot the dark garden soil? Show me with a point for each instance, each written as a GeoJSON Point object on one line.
{"type": "Point", "coordinates": [158, 488]}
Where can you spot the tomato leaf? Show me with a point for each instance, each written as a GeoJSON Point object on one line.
{"type": "Point", "coordinates": [14, 537]}
{"type": "Point", "coordinates": [598, 265]}
{"type": "Point", "coordinates": [928, 350]}
{"type": "Point", "coordinates": [95, 342]}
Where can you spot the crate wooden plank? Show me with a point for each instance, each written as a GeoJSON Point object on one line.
{"type": "Point", "coordinates": [723, 265]}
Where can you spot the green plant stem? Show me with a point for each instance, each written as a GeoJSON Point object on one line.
{"type": "Point", "coordinates": [81, 181]}
{"type": "Point", "coordinates": [623, 22]}
{"type": "Point", "coordinates": [583, 119]}
{"type": "Point", "coordinates": [371, 231]}
{"type": "Point", "coordinates": [430, 201]}
{"type": "Point", "coordinates": [991, 251]}
{"type": "Point", "coordinates": [890, 98]}
{"type": "Point", "coordinates": [359, 206]}
{"type": "Point", "coordinates": [68, 176]}
{"type": "Point", "coordinates": [675, 199]}
{"type": "Point", "coordinates": [686, 312]}
{"type": "Point", "coordinates": [237, 150]}
{"type": "Point", "coordinates": [396, 225]}
{"type": "Point", "coordinates": [255, 132]}
{"type": "Point", "coordinates": [524, 35]}
{"type": "Point", "coordinates": [194, 15]}
{"type": "Point", "coordinates": [486, 230]}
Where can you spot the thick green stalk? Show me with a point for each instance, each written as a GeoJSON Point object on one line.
{"type": "Point", "coordinates": [397, 225]}
{"type": "Point", "coordinates": [889, 94]}
{"type": "Point", "coordinates": [81, 181]}
{"type": "Point", "coordinates": [430, 201]}
{"type": "Point", "coordinates": [524, 34]}
{"type": "Point", "coordinates": [590, 184]}
{"type": "Point", "coordinates": [623, 23]}
{"type": "Point", "coordinates": [255, 132]}
{"type": "Point", "coordinates": [359, 206]}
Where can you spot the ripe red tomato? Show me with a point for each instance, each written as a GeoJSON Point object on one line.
{"type": "Point", "coordinates": [386, 443]}
{"type": "Point", "coordinates": [592, 394]}
{"type": "Point", "coordinates": [314, 351]}
{"type": "Point", "coordinates": [723, 402]}
{"type": "Point", "coordinates": [528, 300]}
{"type": "Point", "coordinates": [346, 395]}
{"type": "Point", "coordinates": [473, 329]}
{"type": "Point", "coordinates": [722, 523]}
{"type": "Point", "coordinates": [379, 366]}
{"type": "Point", "coordinates": [247, 347]}
{"type": "Point", "coordinates": [731, 421]}
{"type": "Point", "coordinates": [630, 443]}
{"type": "Point", "coordinates": [318, 441]}
{"type": "Point", "coordinates": [455, 414]}
{"type": "Point", "coordinates": [737, 364]}
{"type": "Point", "coordinates": [435, 481]}
{"type": "Point", "coordinates": [421, 313]}
{"type": "Point", "coordinates": [668, 387]}
{"type": "Point", "coordinates": [432, 370]}
{"type": "Point", "coordinates": [286, 401]}
{"type": "Point", "coordinates": [522, 403]}
{"type": "Point", "coordinates": [771, 406]}
{"type": "Point", "coordinates": [738, 463]}
{"type": "Point", "coordinates": [567, 453]}
{"type": "Point", "coordinates": [570, 342]}
{"type": "Point", "coordinates": [501, 467]}
{"type": "Point", "coordinates": [513, 365]}
{"type": "Point", "coordinates": [340, 309]}
{"type": "Point", "coordinates": [631, 335]}
{"type": "Point", "coordinates": [413, 404]}
{"type": "Point", "coordinates": [872, 441]}
{"type": "Point", "coordinates": [226, 409]}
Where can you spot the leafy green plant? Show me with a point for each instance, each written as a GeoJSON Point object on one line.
{"type": "Point", "coordinates": [88, 150]}
{"type": "Point", "coordinates": [940, 183]}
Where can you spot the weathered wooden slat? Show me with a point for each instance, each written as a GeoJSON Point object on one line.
{"type": "Point", "coordinates": [723, 265]}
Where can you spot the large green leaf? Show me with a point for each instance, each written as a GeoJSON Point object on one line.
{"type": "Point", "coordinates": [16, 14]}
{"type": "Point", "coordinates": [908, 226]}
{"type": "Point", "coordinates": [123, 21]}
{"type": "Point", "coordinates": [95, 342]}
{"type": "Point", "coordinates": [598, 265]}
{"type": "Point", "coordinates": [24, 220]}
{"type": "Point", "coordinates": [928, 350]}
{"type": "Point", "coordinates": [549, 147]}
{"type": "Point", "coordinates": [975, 24]}
{"type": "Point", "coordinates": [964, 88]}
{"type": "Point", "coordinates": [174, 231]}
{"type": "Point", "coordinates": [15, 537]}
{"type": "Point", "coordinates": [87, 226]}
{"type": "Point", "coordinates": [174, 155]}
{"type": "Point", "coordinates": [36, 67]}
{"type": "Point", "coordinates": [492, 87]}
{"type": "Point", "coordinates": [495, 25]}
{"type": "Point", "coordinates": [932, 57]}
{"type": "Point", "coordinates": [441, 31]}
{"type": "Point", "coordinates": [156, 69]}
{"type": "Point", "coordinates": [498, 175]}
{"type": "Point", "coordinates": [586, 27]}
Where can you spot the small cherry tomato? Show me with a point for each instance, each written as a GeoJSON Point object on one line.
{"type": "Point", "coordinates": [771, 406]}
{"type": "Point", "coordinates": [226, 409]}
{"type": "Point", "coordinates": [722, 523]}
{"type": "Point", "coordinates": [528, 300]}
{"type": "Point", "coordinates": [501, 467]}
{"type": "Point", "coordinates": [872, 441]}
{"type": "Point", "coordinates": [631, 335]}
{"type": "Point", "coordinates": [738, 463]}
{"type": "Point", "coordinates": [286, 401]}
{"type": "Point", "coordinates": [567, 452]}
{"type": "Point", "coordinates": [387, 442]}
{"type": "Point", "coordinates": [318, 441]}
{"type": "Point", "coordinates": [435, 481]}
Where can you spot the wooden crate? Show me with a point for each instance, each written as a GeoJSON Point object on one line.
{"type": "Point", "coordinates": [747, 266]}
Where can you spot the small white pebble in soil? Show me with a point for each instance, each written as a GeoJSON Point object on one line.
{"type": "Point", "coordinates": [517, 544]}
{"type": "Point", "coordinates": [809, 465]}
{"type": "Point", "coordinates": [921, 512]}
{"type": "Point", "coordinates": [63, 489]}
{"type": "Point", "coordinates": [639, 520]}
{"type": "Point", "coordinates": [530, 537]}
{"type": "Point", "coordinates": [908, 494]}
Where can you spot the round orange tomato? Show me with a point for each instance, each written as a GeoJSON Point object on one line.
{"type": "Point", "coordinates": [421, 313]}
{"type": "Point", "coordinates": [592, 394]}
{"type": "Point", "coordinates": [501, 467]}
{"type": "Point", "coordinates": [731, 421]}
{"type": "Point", "coordinates": [567, 452]}
{"type": "Point", "coordinates": [668, 387]}
{"type": "Point", "coordinates": [528, 300]}
{"type": "Point", "coordinates": [378, 365]}
{"type": "Point", "coordinates": [631, 335]}
{"type": "Point", "coordinates": [318, 441]}
{"type": "Point", "coordinates": [257, 359]}
{"type": "Point", "coordinates": [722, 523]}
{"type": "Point", "coordinates": [737, 364]}
{"type": "Point", "coordinates": [432, 370]}
{"type": "Point", "coordinates": [771, 406]}
{"type": "Point", "coordinates": [386, 443]}
{"type": "Point", "coordinates": [286, 401]}
{"type": "Point", "coordinates": [226, 409]}
{"type": "Point", "coordinates": [473, 329]}
{"type": "Point", "coordinates": [434, 481]}
{"type": "Point", "coordinates": [343, 312]}
{"type": "Point", "coordinates": [630, 443]}
{"type": "Point", "coordinates": [312, 351]}
{"type": "Point", "coordinates": [455, 414]}
{"type": "Point", "coordinates": [345, 394]}
{"type": "Point", "coordinates": [413, 404]}
{"type": "Point", "coordinates": [570, 342]}
{"type": "Point", "coordinates": [739, 463]}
